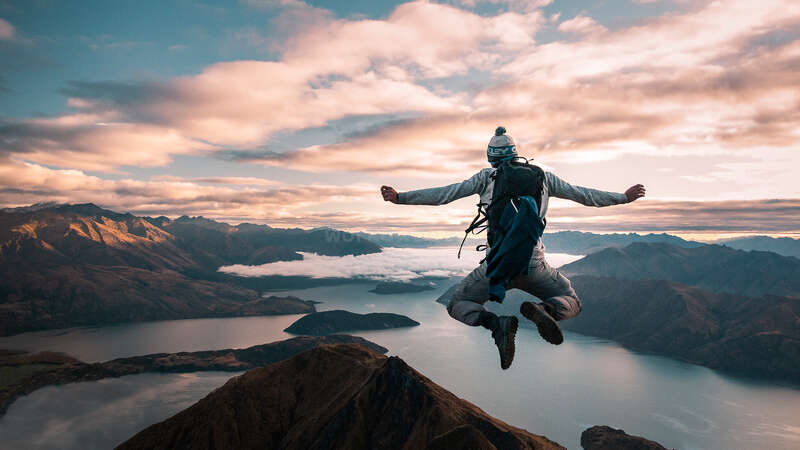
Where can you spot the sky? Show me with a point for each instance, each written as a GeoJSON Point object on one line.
{"type": "Point", "coordinates": [293, 113]}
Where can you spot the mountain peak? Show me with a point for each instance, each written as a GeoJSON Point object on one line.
{"type": "Point", "coordinates": [333, 396]}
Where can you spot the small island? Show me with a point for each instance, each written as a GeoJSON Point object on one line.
{"type": "Point", "coordinates": [22, 373]}
{"type": "Point", "coordinates": [399, 287]}
{"type": "Point", "coordinates": [337, 321]}
{"type": "Point", "coordinates": [602, 437]}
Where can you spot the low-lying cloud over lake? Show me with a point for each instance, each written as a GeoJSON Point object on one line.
{"type": "Point", "coordinates": [398, 264]}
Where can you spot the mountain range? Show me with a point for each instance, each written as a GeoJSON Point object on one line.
{"type": "Point", "coordinates": [582, 243]}
{"type": "Point", "coordinates": [783, 246]}
{"type": "Point", "coordinates": [713, 267]}
{"type": "Point", "coordinates": [687, 304]}
{"type": "Point", "coordinates": [74, 265]}
{"type": "Point", "coordinates": [570, 242]}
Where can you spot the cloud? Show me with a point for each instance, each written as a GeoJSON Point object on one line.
{"type": "Point", "coordinates": [215, 197]}
{"type": "Point", "coordinates": [581, 24]}
{"type": "Point", "coordinates": [95, 142]}
{"type": "Point", "coordinates": [339, 69]}
{"type": "Point", "coordinates": [6, 30]}
{"type": "Point", "coordinates": [514, 5]}
{"type": "Point", "coordinates": [652, 88]}
{"type": "Point", "coordinates": [399, 264]}
{"type": "Point", "coordinates": [661, 85]}
{"type": "Point", "coordinates": [359, 207]}
{"type": "Point", "coordinates": [757, 216]}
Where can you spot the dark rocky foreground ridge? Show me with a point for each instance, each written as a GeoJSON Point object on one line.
{"type": "Point", "coordinates": [76, 265]}
{"type": "Point", "coordinates": [23, 372]}
{"type": "Point", "coordinates": [334, 396]}
{"type": "Point", "coordinates": [337, 321]}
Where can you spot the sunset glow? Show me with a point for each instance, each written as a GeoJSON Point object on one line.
{"type": "Point", "coordinates": [293, 113]}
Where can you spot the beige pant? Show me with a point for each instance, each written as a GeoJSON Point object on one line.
{"type": "Point", "coordinates": [542, 281]}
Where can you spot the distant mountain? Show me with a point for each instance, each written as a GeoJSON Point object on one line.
{"type": "Point", "coordinates": [69, 265]}
{"type": "Point", "coordinates": [712, 267]}
{"type": "Point", "coordinates": [31, 371]}
{"type": "Point", "coordinates": [570, 242]}
{"type": "Point", "coordinates": [755, 336]}
{"type": "Point", "coordinates": [406, 241]}
{"type": "Point", "coordinates": [334, 396]}
{"type": "Point", "coordinates": [399, 287]}
{"type": "Point", "coordinates": [783, 246]}
{"type": "Point", "coordinates": [581, 243]}
{"type": "Point", "coordinates": [338, 321]}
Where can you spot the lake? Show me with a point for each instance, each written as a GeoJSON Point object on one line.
{"type": "Point", "coordinates": [556, 391]}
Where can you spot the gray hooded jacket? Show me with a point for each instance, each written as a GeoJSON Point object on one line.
{"type": "Point", "coordinates": [482, 184]}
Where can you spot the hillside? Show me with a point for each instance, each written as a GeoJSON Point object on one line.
{"type": "Point", "coordinates": [338, 396]}
{"type": "Point", "coordinates": [712, 267]}
{"type": "Point", "coordinates": [583, 243]}
{"type": "Point", "coordinates": [73, 265]}
{"type": "Point", "coordinates": [754, 336]}
{"type": "Point", "coordinates": [757, 336]}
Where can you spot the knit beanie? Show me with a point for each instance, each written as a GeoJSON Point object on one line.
{"type": "Point", "coordinates": [501, 147]}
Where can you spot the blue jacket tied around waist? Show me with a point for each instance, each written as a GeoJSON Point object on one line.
{"type": "Point", "coordinates": [518, 233]}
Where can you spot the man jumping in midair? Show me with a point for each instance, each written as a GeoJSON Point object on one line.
{"type": "Point", "coordinates": [559, 300]}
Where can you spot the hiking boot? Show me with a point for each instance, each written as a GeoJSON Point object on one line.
{"type": "Point", "coordinates": [504, 336]}
{"type": "Point", "coordinates": [547, 325]}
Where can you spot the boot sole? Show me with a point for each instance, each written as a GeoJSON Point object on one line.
{"type": "Point", "coordinates": [511, 334]}
{"type": "Point", "coordinates": [547, 326]}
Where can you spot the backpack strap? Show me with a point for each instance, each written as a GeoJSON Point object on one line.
{"type": "Point", "coordinates": [477, 224]}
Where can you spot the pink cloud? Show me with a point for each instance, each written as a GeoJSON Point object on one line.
{"type": "Point", "coordinates": [581, 24]}
{"type": "Point", "coordinates": [6, 30]}
{"type": "Point", "coordinates": [28, 183]}
{"type": "Point", "coordinates": [338, 69]}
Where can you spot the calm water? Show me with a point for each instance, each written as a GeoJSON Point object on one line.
{"type": "Point", "coordinates": [554, 391]}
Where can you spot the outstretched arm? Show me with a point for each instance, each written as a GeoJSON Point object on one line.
{"type": "Point", "coordinates": [438, 195]}
{"type": "Point", "coordinates": [590, 197]}
{"type": "Point", "coordinates": [635, 192]}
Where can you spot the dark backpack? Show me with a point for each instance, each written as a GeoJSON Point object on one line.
{"type": "Point", "coordinates": [511, 179]}
{"type": "Point", "coordinates": [513, 221]}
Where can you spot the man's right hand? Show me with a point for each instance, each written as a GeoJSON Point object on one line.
{"type": "Point", "coordinates": [635, 192]}
{"type": "Point", "coordinates": [389, 194]}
